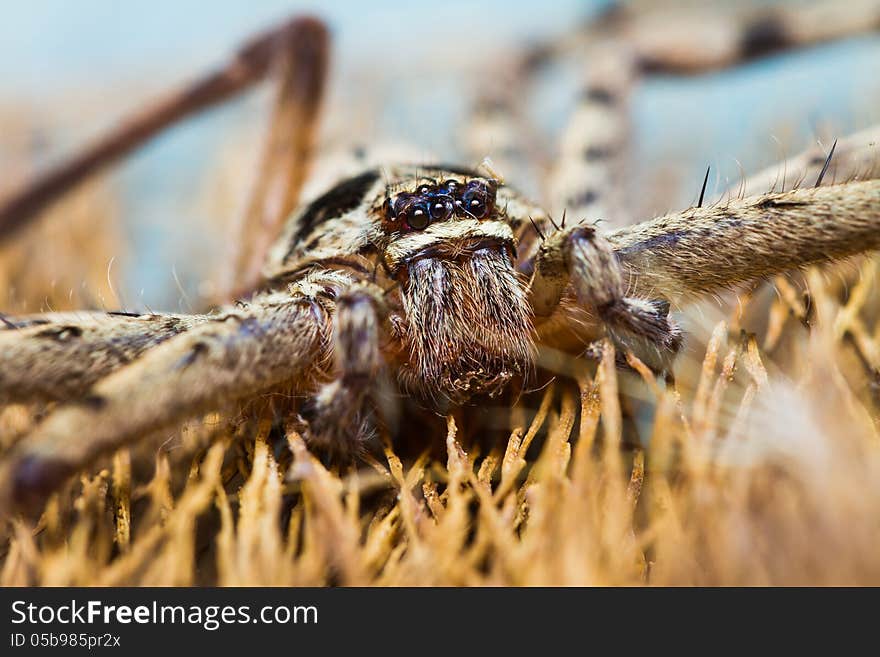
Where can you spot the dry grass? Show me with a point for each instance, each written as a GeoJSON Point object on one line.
{"type": "Point", "coordinates": [749, 478]}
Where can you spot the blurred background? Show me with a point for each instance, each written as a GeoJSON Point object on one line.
{"type": "Point", "coordinates": [154, 227]}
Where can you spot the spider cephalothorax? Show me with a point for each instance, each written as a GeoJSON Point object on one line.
{"type": "Point", "coordinates": [444, 253]}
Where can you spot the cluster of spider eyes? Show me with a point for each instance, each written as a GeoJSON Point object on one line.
{"type": "Point", "coordinates": [430, 203]}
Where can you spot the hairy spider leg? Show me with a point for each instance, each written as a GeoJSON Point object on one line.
{"type": "Point", "coordinates": [587, 180]}
{"type": "Point", "coordinates": [278, 338]}
{"type": "Point", "coordinates": [301, 73]}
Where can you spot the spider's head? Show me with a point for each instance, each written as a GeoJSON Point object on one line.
{"type": "Point", "coordinates": [467, 322]}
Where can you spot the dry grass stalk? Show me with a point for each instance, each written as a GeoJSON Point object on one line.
{"type": "Point", "coordinates": [749, 476]}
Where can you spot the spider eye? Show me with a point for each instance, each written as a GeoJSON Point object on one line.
{"type": "Point", "coordinates": [412, 210]}
{"type": "Point", "coordinates": [423, 189]}
{"type": "Point", "coordinates": [477, 199]}
{"type": "Point", "coordinates": [476, 207]}
{"type": "Point", "coordinates": [440, 209]}
{"type": "Point", "coordinates": [452, 187]}
{"type": "Point", "coordinates": [417, 217]}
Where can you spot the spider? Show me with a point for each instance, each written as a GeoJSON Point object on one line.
{"type": "Point", "coordinates": [436, 282]}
